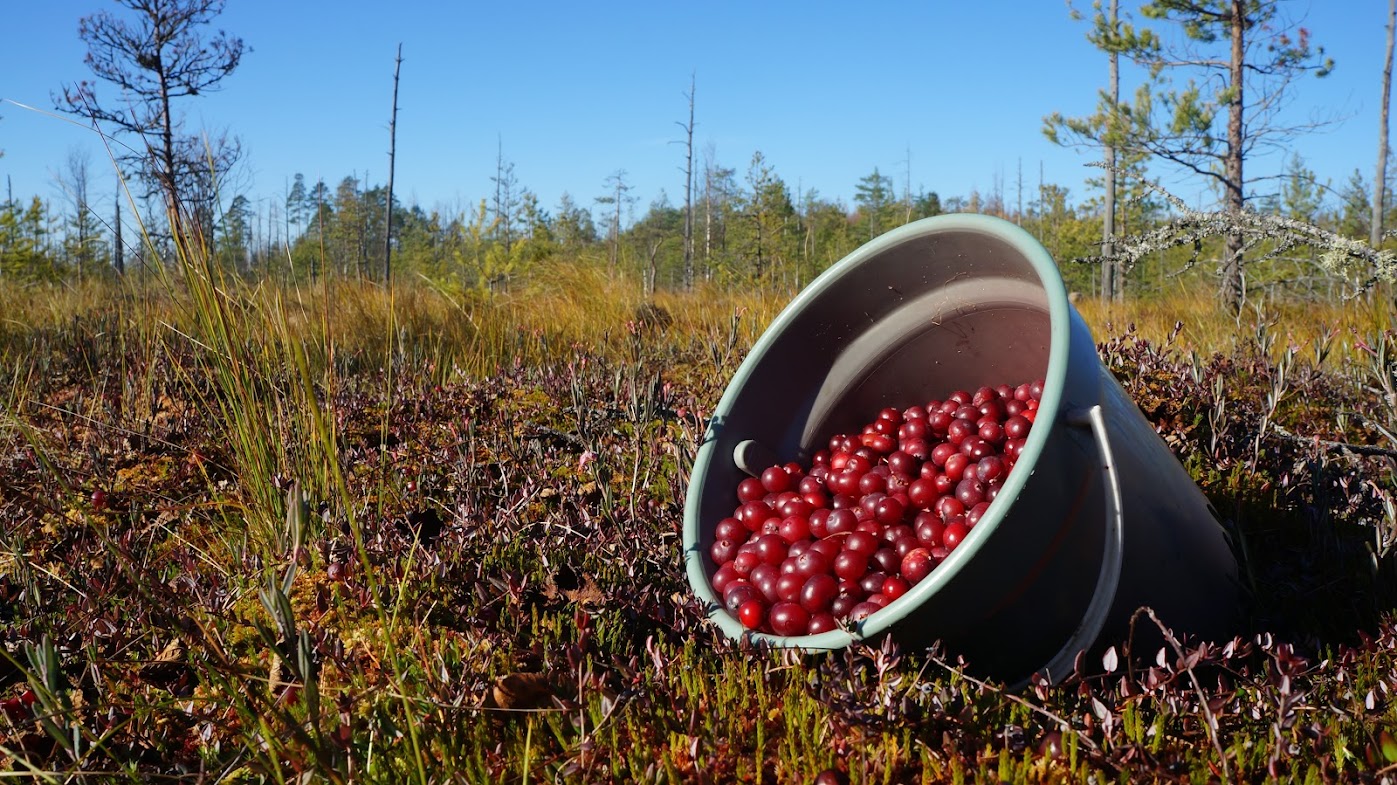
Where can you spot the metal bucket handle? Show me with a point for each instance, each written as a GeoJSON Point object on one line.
{"type": "Point", "coordinates": [1094, 618]}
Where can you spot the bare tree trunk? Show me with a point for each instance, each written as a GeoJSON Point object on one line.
{"type": "Point", "coordinates": [1233, 284]}
{"type": "Point", "coordinates": [907, 189]}
{"type": "Point", "coordinates": [1018, 211]}
{"type": "Point", "coordinates": [689, 192]}
{"type": "Point", "coordinates": [707, 210]}
{"type": "Point", "coordinates": [392, 152]}
{"type": "Point", "coordinates": [1380, 183]}
{"type": "Point", "coordinates": [652, 272]}
{"type": "Point", "coordinates": [1112, 288]}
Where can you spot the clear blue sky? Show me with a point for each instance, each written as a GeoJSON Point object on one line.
{"type": "Point", "coordinates": [575, 91]}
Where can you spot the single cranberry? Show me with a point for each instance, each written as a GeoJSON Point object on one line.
{"type": "Point", "coordinates": [955, 534]}
{"type": "Point", "coordinates": [889, 511]}
{"type": "Point", "coordinates": [737, 593]}
{"type": "Point", "coordinates": [750, 490]}
{"type": "Point", "coordinates": [922, 493]}
{"type": "Point", "coordinates": [775, 479]}
{"type": "Point", "coordinates": [991, 432]}
{"type": "Point", "coordinates": [813, 562]}
{"type": "Point", "coordinates": [872, 582]}
{"type": "Point", "coordinates": [818, 592]}
{"type": "Point", "coordinates": [930, 529]}
{"type": "Point", "coordinates": [862, 542]}
{"type": "Point", "coordinates": [752, 613]}
{"type": "Point", "coordinates": [887, 559]}
{"type": "Point", "coordinates": [722, 577]}
{"type": "Point", "coordinates": [788, 618]}
{"type": "Point", "coordinates": [894, 587]}
{"type": "Point", "coordinates": [841, 521]}
{"type": "Point", "coordinates": [916, 565]}
{"type": "Point", "coordinates": [959, 431]}
{"type": "Point", "coordinates": [842, 604]}
{"type": "Point", "coordinates": [970, 492]}
{"type": "Point", "coordinates": [850, 565]}
{"type": "Point", "coordinates": [722, 552]}
{"type": "Point", "coordinates": [872, 482]}
{"type": "Point", "coordinates": [1016, 427]}
{"type": "Point", "coordinates": [975, 513]}
{"type": "Point", "coordinates": [989, 469]}
{"type": "Point", "coordinates": [731, 529]}
{"type": "Point", "coordinates": [955, 466]}
{"type": "Point", "coordinates": [863, 610]}
{"type": "Point", "coordinates": [794, 529]}
{"type": "Point", "coordinates": [949, 506]}
{"type": "Point", "coordinates": [788, 586]}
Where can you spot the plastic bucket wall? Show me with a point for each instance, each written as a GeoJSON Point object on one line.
{"type": "Point", "coordinates": [1097, 518]}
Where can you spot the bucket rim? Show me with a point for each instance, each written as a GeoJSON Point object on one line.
{"type": "Point", "coordinates": [1050, 405]}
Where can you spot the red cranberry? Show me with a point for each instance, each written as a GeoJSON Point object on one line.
{"type": "Point", "coordinates": [894, 587]}
{"type": "Point", "coordinates": [818, 592]}
{"type": "Point", "coordinates": [738, 592]}
{"type": "Point", "coordinates": [775, 479]}
{"type": "Point", "coordinates": [788, 586]}
{"type": "Point", "coordinates": [863, 610]}
{"type": "Point", "coordinates": [752, 613]}
{"type": "Point", "coordinates": [750, 490]}
{"type": "Point", "coordinates": [872, 582]}
{"type": "Point", "coordinates": [850, 565]}
{"type": "Point", "coordinates": [722, 552]}
{"type": "Point", "coordinates": [989, 469]}
{"type": "Point", "coordinates": [788, 618]}
{"type": "Point", "coordinates": [731, 529]}
{"type": "Point", "coordinates": [916, 565]}
{"type": "Point", "coordinates": [887, 558]}
{"type": "Point", "coordinates": [954, 535]}
{"type": "Point", "coordinates": [1016, 427]}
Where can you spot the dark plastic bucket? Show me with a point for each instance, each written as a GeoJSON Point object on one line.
{"type": "Point", "coordinates": [1097, 518]}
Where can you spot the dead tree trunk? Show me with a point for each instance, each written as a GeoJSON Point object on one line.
{"type": "Point", "coordinates": [1112, 287]}
{"type": "Point", "coordinates": [392, 152]}
{"type": "Point", "coordinates": [689, 191]}
{"type": "Point", "coordinates": [1380, 182]}
{"type": "Point", "coordinates": [1233, 283]}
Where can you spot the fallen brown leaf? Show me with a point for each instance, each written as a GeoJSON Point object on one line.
{"type": "Point", "coordinates": [522, 691]}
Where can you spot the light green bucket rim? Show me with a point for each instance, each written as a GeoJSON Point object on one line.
{"type": "Point", "coordinates": [1059, 312]}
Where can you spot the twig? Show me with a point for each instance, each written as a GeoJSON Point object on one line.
{"type": "Point", "coordinates": [1356, 449]}
{"type": "Point", "coordinates": [1212, 722]}
{"type": "Point", "coordinates": [984, 685]}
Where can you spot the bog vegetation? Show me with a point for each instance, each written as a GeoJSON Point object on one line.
{"type": "Point", "coordinates": [350, 533]}
{"type": "Point", "coordinates": [265, 517]}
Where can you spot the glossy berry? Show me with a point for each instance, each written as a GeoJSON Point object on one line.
{"type": "Point", "coordinates": [752, 613]}
{"type": "Point", "coordinates": [789, 618]}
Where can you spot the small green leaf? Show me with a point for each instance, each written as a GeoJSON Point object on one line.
{"type": "Point", "coordinates": [1389, 746]}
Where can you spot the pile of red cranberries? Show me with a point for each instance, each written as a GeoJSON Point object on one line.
{"type": "Point", "coordinates": [874, 514]}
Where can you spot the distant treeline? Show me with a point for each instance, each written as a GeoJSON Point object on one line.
{"type": "Point", "coordinates": [748, 230]}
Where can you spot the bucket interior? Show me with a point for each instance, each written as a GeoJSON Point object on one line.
{"type": "Point", "coordinates": [906, 319]}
